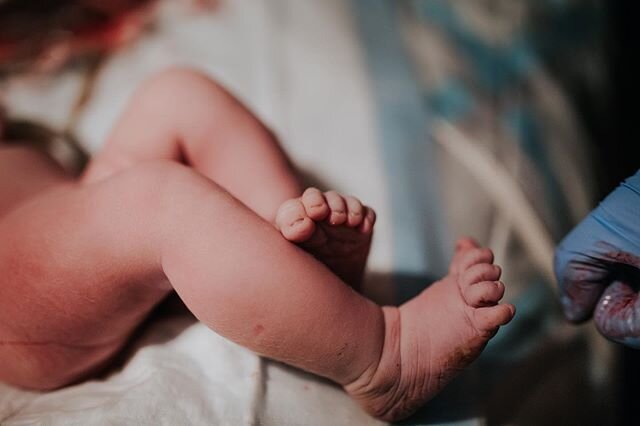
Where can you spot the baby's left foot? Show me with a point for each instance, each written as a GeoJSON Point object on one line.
{"type": "Point", "coordinates": [336, 229]}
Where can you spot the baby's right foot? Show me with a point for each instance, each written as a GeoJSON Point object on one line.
{"type": "Point", "coordinates": [336, 229]}
{"type": "Point", "coordinates": [434, 336]}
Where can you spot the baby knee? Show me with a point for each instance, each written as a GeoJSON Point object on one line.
{"type": "Point", "coordinates": [183, 86]}
{"type": "Point", "coordinates": [179, 76]}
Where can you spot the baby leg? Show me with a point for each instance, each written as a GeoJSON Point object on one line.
{"type": "Point", "coordinates": [85, 263]}
{"type": "Point", "coordinates": [184, 116]}
{"type": "Point", "coordinates": [198, 123]}
{"type": "Point", "coordinates": [268, 295]}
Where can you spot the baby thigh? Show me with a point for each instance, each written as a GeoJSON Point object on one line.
{"type": "Point", "coordinates": [78, 276]}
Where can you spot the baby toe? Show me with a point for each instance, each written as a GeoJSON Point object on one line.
{"type": "Point", "coordinates": [466, 243]}
{"type": "Point", "coordinates": [315, 204]}
{"type": "Point", "coordinates": [463, 245]}
{"type": "Point", "coordinates": [480, 272]}
{"type": "Point", "coordinates": [490, 318]}
{"type": "Point", "coordinates": [338, 207]}
{"type": "Point", "coordinates": [475, 256]}
{"type": "Point", "coordinates": [355, 211]}
{"type": "Point", "coordinates": [293, 222]}
{"type": "Point", "coordinates": [369, 220]}
{"type": "Point", "coordinates": [486, 293]}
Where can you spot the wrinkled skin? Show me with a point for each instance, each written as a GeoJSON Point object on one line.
{"type": "Point", "coordinates": [598, 266]}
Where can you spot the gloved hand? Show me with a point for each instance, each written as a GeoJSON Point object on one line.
{"type": "Point", "coordinates": [598, 266]}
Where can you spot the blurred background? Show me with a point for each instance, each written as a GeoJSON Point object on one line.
{"type": "Point", "coordinates": [506, 120]}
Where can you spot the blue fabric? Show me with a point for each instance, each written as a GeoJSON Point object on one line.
{"type": "Point", "coordinates": [495, 68]}
{"type": "Point", "coordinates": [492, 80]}
{"type": "Point", "coordinates": [450, 100]}
{"type": "Point", "coordinates": [421, 244]}
{"type": "Point", "coordinates": [525, 126]}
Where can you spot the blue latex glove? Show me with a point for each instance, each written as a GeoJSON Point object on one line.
{"type": "Point", "coordinates": [598, 266]}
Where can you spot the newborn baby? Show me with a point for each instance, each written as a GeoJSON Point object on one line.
{"type": "Point", "coordinates": [192, 193]}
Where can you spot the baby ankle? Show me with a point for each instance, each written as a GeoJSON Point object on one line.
{"type": "Point", "coordinates": [388, 357]}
